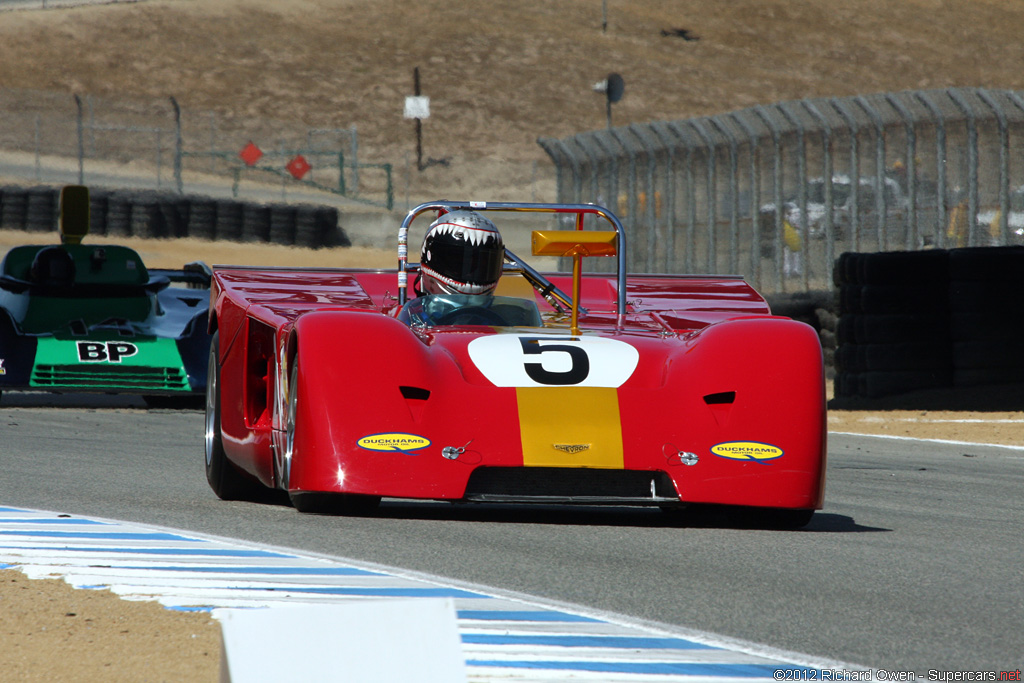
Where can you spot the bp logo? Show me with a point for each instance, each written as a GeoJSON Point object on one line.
{"type": "Point", "coordinates": [747, 450]}
{"type": "Point", "coordinates": [105, 352]}
{"type": "Point", "coordinates": [393, 442]}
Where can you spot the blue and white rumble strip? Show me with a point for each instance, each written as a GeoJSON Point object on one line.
{"type": "Point", "coordinates": [506, 638]}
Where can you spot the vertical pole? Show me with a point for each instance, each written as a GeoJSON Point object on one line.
{"type": "Point", "coordinates": [419, 123]}
{"type": "Point", "coordinates": [39, 168]}
{"type": "Point", "coordinates": [177, 147]}
{"type": "Point", "coordinates": [604, 16]}
{"type": "Point", "coordinates": [354, 144]}
{"type": "Point", "coordinates": [577, 276]}
{"type": "Point", "coordinates": [81, 143]}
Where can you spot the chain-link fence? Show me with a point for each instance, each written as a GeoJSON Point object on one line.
{"type": "Point", "coordinates": [58, 138]}
{"type": "Point", "coordinates": [777, 192]}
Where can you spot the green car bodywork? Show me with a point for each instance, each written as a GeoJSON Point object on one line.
{"type": "Point", "coordinates": [77, 317]}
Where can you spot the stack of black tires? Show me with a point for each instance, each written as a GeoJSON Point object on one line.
{"type": "Point", "coordinates": [928, 320]}
{"type": "Point", "coordinates": [986, 302]}
{"type": "Point", "coordinates": [153, 214]}
{"type": "Point", "coordinates": [893, 329]}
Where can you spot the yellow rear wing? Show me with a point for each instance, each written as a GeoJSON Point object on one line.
{"type": "Point", "coordinates": [575, 244]}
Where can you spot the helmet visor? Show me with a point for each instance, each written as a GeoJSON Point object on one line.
{"type": "Point", "coordinates": [478, 265]}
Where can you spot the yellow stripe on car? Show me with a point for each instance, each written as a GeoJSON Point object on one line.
{"type": "Point", "coordinates": [570, 427]}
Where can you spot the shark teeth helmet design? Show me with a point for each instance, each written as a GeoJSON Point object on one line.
{"type": "Point", "coordinates": [462, 253]}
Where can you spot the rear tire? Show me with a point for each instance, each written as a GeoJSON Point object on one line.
{"type": "Point", "coordinates": [226, 481]}
{"type": "Point", "coordinates": [772, 518]}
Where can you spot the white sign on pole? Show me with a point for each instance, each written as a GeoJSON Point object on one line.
{"type": "Point", "coordinates": [417, 107]}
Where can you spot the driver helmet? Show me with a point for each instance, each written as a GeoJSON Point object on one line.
{"type": "Point", "coordinates": [462, 253]}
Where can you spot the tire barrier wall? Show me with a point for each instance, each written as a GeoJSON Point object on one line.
{"type": "Point", "coordinates": [928, 320]}
{"type": "Point", "coordinates": [135, 213]}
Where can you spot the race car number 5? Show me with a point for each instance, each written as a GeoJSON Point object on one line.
{"type": "Point", "coordinates": [515, 360]}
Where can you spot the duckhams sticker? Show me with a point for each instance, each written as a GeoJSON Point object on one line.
{"type": "Point", "coordinates": [747, 450]}
{"type": "Point", "coordinates": [393, 442]}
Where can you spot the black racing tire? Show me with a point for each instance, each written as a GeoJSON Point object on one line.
{"type": "Point", "coordinates": [172, 402]}
{"type": "Point", "coordinates": [986, 264]}
{"type": "Point", "coordinates": [202, 217]}
{"type": "Point", "coordinates": [225, 480]}
{"type": "Point", "coordinates": [227, 220]}
{"type": "Point", "coordinates": [709, 515]}
{"type": "Point", "coordinates": [255, 223]}
{"type": "Point", "coordinates": [316, 501]}
{"type": "Point", "coordinates": [902, 268]}
{"type": "Point", "coordinates": [349, 504]}
{"type": "Point", "coordinates": [282, 224]}
{"type": "Point", "coordinates": [771, 518]}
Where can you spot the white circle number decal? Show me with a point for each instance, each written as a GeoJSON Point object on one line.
{"type": "Point", "coordinates": [520, 360]}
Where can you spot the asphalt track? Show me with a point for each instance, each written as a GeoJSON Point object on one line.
{"type": "Point", "coordinates": [914, 565]}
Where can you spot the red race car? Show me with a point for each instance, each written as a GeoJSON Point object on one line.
{"type": "Point", "coordinates": [472, 377]}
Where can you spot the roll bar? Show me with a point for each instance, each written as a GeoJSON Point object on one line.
{"type": "Point", "coordinates": [549, 291]}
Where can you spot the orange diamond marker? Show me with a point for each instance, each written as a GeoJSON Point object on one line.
{"type": "Point", "coordinates": [298, 167]}
{"type": "Point", "coordinates": [250, 154]}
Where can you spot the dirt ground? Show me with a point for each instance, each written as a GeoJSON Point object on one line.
{"type": "Point", "coordinates": [499, 76]}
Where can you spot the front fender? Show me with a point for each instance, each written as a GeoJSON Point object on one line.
{"type": "Point", "coordinates": [351, 369]}
{"type": "Point", "coordinates": [752, 381]}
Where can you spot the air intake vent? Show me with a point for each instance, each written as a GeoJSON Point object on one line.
{"type": "Point", "coordinates": [95, 377]}
{"type": "Point", "coordinates": [570, 485]}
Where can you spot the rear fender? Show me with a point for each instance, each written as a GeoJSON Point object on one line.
{"type": "Point", "coordinates": [247, 395]}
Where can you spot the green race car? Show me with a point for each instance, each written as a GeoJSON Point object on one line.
{"type": "Point", "coordinates": [82, 318]}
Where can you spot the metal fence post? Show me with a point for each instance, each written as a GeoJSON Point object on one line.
{"type": "Point", "coordinates": [667, 140]}
{"type": "Point", "coordinates": [777, 240]}
{"type": "Point", "coordinates": [801, 179]}
{"type": "Point", "coordinates": [880, 201]}
{"type": "Point", "coordinates": [1004, 164]}
{"type": "Point", "coordinates": [691, 196]}
{"type": "Point", "coordinates": [652, 197]}
{"type": "Point", "coordinates": [354, 145]}
{"type": "Point", "coordinates": [594, 164]}
{"type": "Point", "coordinates": [178, 147]}
{"type": "Point", "coordinates": [81, 142]}
{"type": "Point", "coordinates": [734, 193]}
{"type": "Point", "coordinates": [910, 164]}
{"type": "Point", "coordinates": [711, 264]}
{"type": "Point", "coordinates": [941, 172]}
{"type": "Point", "coordinates": [828, 164]}
{"type": "Point", "coordinates": [631, 191]}
{"type": "Point", "coordinates": [755, 198]}
{"type": "Point", "coordinates": [972, 165]}
{"type": "Point", "coordinates": [854, 131]}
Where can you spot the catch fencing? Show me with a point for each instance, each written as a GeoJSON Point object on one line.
{"type": "Point", "coordinates": [57, 138]}
{"type": "Point", "coordinates": [776, 192]}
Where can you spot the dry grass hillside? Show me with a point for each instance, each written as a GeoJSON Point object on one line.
{"type": "Point", "coordinates": [501, 74]}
